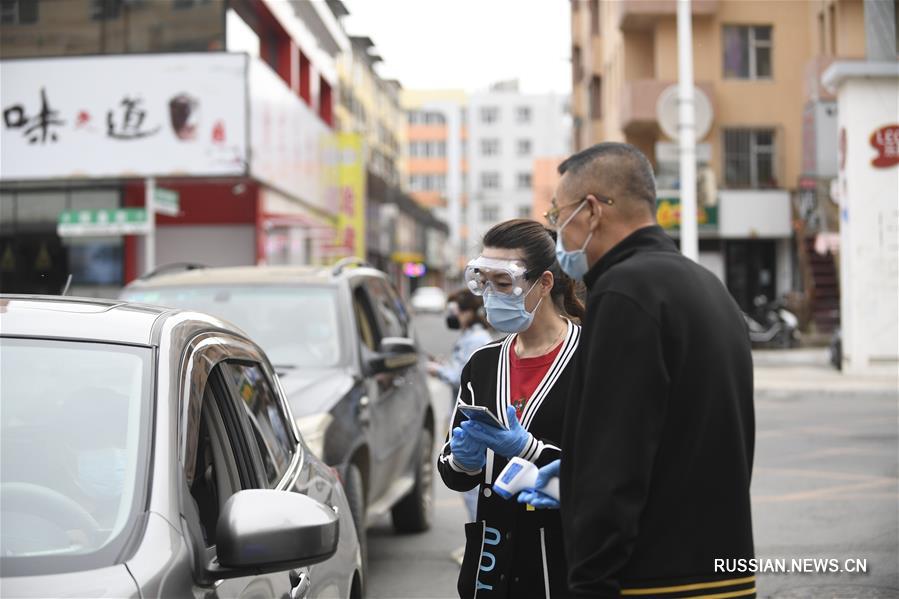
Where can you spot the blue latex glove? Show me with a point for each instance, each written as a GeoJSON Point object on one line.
{"type": "Point", "coordinates": [534, 496]}
{"type": "Point", "coordinates": [468, 452]}
{"type": "Point", "coordinates": [507, 443]}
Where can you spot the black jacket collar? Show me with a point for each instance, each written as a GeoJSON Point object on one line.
{"type": "Point", "coordinates": [652, 238]}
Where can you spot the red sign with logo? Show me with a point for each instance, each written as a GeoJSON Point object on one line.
{"type": "Point", "coordinates": [886, 141]}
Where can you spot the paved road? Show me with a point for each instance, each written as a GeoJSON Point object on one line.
{"type": "Point", "coordinates": [825, 486]}
{"type": "Point", "coordinates": [419, 566]}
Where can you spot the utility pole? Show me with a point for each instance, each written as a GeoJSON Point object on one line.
{"type": "Point", "coordinates": [689, 242]}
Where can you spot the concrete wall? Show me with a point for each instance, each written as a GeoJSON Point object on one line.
{"type": "Point", "coordinates": [869, 228]}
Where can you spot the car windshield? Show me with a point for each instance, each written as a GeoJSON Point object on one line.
{"type": "Point", "coordinates": [296, 326]}
{"type": "Point", "coordinates": [73, 432]}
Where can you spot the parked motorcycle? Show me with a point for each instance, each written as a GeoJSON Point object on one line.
{"type": "Point", "coordinates": [771, 324]}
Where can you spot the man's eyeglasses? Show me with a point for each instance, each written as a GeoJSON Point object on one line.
{"type": "Point", "coordinates": [552, 215]}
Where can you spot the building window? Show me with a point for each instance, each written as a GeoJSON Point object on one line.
{"type": "Point", "coordinates": [439, 182]}
{"type": "Point", "coordinates": [524, 147]}
{"type": "Point", "coordinates": [18, 12]}
{"type": "Point", "coordinates": [524, 211]}
{"type": "Point", "coordinates": [434, 118]}
{"type": "Point", "coordinates": [749, 158]}
{"type": "Point", "coordinates": [489, 114]}
{"type": "Point", "coordinates": [103, 10]}
{"type": "Point", "coordinates": [747, 52]}
{"type": "Point", "coordinates": [489, 147]}
{"type": "Point", "coordinates": [594, 17]}
{"type": "Point", "coordinates": [596, 98]}
{"type": "Point", "coordinates": [577, 69]}
{"type": "Point", "coordinates": [412, 117]}
{"type": "Point", "coordinates": [490, 180]}
{"type": "Point", "coordinates": [441, 148]}
{"type": "Point", "coordinates": [523, 114]}
{"type": "Point", "coordinates": [524, 180]}
{"type": "Point", "coordinates": [489, 213]}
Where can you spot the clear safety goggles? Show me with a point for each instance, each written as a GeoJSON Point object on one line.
{"type": "Point", "coordinates": [487, 276]}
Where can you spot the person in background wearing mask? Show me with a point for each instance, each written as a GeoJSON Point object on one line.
{"type": "Point", "coordinates": [513, 550]}
{"type": "Point", "coordinates": [660, 429]}
{"type": "Point", "coordinates": [465, 312]}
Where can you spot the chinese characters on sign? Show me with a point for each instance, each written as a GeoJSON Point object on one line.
{"type": "Point", "coordinates": [128, 122]}
{"type": "Point", "coordinates": [125, 124]}
{"type": "Point", "coordinates": [40, 127]}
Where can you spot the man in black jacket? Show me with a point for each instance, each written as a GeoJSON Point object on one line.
{"type": "Point", "coordinates": [659, 432]}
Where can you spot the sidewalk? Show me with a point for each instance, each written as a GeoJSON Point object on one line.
{"type": "Point", "coordinates": [809, 370]}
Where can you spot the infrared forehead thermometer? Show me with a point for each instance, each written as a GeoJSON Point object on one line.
{"type": "Point", "coordinates": [519, 475]}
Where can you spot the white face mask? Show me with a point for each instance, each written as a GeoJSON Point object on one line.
{"type": "Point", "coordinates": [574, 262]}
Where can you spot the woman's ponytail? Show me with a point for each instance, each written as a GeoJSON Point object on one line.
{"type": "Point", "coordinates": [572, 304]}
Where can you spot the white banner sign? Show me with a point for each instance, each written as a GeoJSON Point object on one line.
{"type": "Point", "coordinates": [290, 143]}
{"type": "Point", "coordinates": [123, 116]}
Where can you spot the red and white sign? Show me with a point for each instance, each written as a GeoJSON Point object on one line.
{"type": "Point", "coordinates": [886, 141]}
{"type": "Point", "coordinates": [123, 116]}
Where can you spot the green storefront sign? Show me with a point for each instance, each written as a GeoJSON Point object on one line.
{"type": "Point", "coordinates": [668, 215]}
{"type": "Point", "coordinates": [114, 221]}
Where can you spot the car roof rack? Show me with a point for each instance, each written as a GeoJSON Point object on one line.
{"type": "Point", "coordinates": [348, 261]}
{"type": "Point", "coordinates": [173, 267]}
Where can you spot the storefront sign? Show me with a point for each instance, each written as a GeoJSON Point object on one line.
{"type": "Point", "coordinates": [414, 270]}
{"type": "Point", "coordinates": [120, 221]}
{"type": "Point", "coordinates": [668, 215]}
{"type": "Point", "coordinates": [124, 116]}
{"type": "Point", "coordinates": [886, 141]}
{"type": "Point", "coordinates": [350, 230]}
{"type": "Point", "coordinates": [167, 201]}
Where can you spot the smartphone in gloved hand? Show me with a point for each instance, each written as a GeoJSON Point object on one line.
{"type": "Point", "coordinates": [482, 415]}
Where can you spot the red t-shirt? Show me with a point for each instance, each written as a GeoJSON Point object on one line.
{"type": "Point", "coordinates": [525, 374]}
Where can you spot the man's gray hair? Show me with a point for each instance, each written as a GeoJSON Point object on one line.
{"type": "Point", "coordinates": [632, 171]}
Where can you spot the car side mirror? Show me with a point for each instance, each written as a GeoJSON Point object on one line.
{"type": "Point", "coordinates": [395, 353]}
{"type": "Point", "coordinates": [265, 530]}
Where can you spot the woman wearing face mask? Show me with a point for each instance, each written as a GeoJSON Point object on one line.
{"type": "Point", "coordinates": [513, 550]}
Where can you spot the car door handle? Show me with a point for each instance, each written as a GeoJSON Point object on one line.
{"type": "Point", "coordinates": [300, 583]}
{"type": "Point", "coordinates": [365, 410]}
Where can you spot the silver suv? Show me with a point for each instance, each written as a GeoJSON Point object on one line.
{"type": "Point", "coordinates": [149, 452]}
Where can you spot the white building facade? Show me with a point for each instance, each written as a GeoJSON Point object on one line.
{"type": "Point", "coordinates": [507, 132]}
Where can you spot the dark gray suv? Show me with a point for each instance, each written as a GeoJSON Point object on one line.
{"type": "Point", "coordinates": [149, 452]}
{"type": "Point", "coordinates": [342, 343]}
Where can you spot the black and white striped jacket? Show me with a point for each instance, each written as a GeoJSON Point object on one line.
{"type": "Point", "coordinates": [512, 551]}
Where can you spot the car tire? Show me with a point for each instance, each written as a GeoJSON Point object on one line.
{"type": "Point", "coordinates": [355, 495]}
{"type": "Point", "coordinates": [414, 512]}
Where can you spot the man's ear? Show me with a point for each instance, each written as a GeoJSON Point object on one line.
{"type": "Point", "coordinates": [595, 214]}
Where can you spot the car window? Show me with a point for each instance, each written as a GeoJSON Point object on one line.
{"type": "Point", "coordinates": [74, 425]}
{"type": "Point", "coordinates": [389, 309]}
{"type": "Point", "coordinates": [278, 317]}
{"type": "Point", "coordinates": [368, 332]}
{"type": "Point", "coordinates": [268, 422]}
{"type": "Point", "coordinates": [214, 476]}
